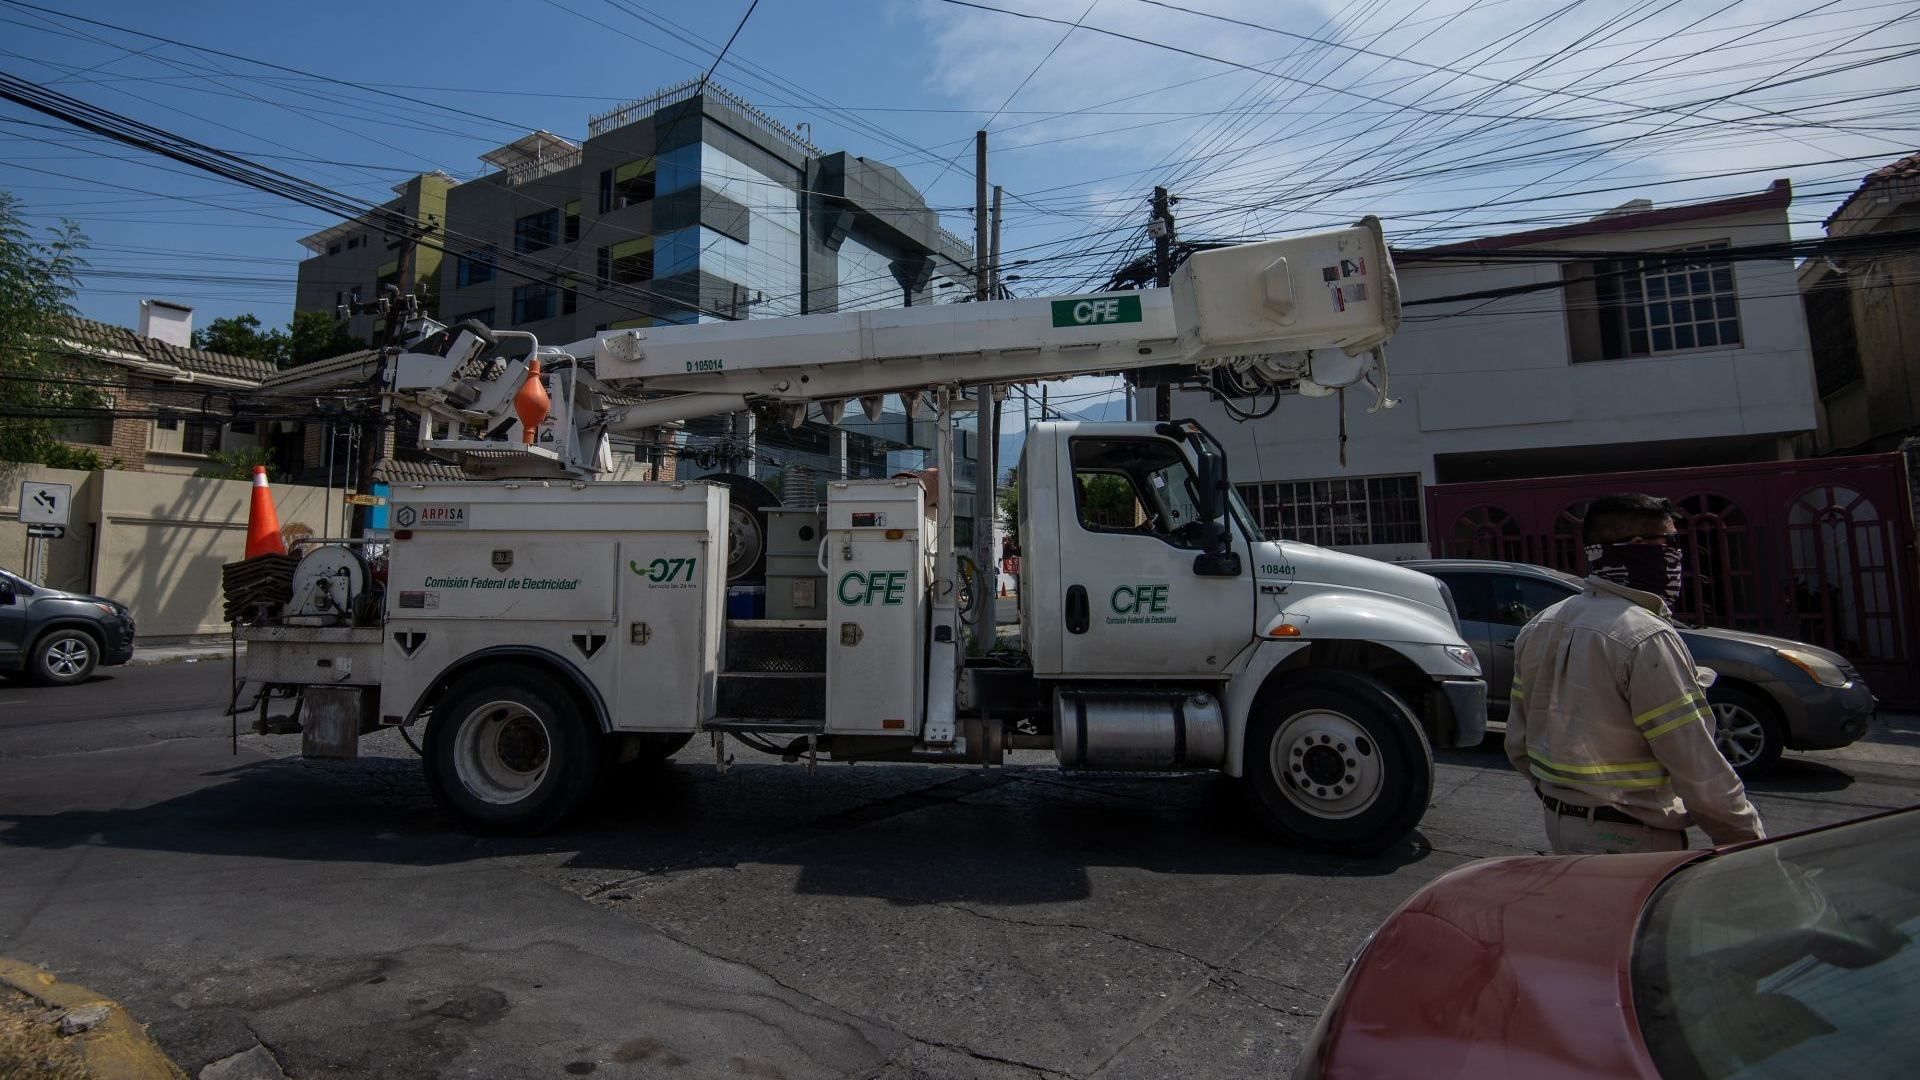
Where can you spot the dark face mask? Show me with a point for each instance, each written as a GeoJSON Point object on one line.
{"type": "Point", "coordinates": [1645, 567]}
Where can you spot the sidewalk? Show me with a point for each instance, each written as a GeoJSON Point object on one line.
{"type": "Point", "coordinates": [182, 650]}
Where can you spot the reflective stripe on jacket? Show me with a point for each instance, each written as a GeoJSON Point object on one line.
{"type": "Point", "coordinates": [1606, 709]}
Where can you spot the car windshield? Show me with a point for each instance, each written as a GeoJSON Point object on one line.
{"type": "Point", "coordinates": [1789, 959]}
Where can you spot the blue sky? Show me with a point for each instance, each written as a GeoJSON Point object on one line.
{"type": "Point", "coordinates": [1449, 119]}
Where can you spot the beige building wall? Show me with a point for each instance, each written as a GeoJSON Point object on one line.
{"type": "Point", "coordinates": [155, 542]}
{"type": "Point", "coordinates": [69, 561]}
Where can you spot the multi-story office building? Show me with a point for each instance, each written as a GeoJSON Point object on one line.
{"type": "Point", "coordinates": [685, 206]}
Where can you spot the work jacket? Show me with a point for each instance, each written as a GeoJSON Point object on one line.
{"type": "Point", "coordinates": [1607, 710]}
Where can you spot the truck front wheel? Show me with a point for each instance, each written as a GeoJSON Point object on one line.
{"type": "Point", "coordinates": [1335, 762]}
{"type": "Point", "coordinates": [509, 751]}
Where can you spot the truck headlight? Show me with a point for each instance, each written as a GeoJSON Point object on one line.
{"type": "Point", "coordinates": [1464, 656]}
{"type": "Point", "coordinates": [1821, 671]}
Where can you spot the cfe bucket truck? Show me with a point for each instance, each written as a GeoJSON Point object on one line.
{"type": "Point", "coordinates": [550, 629]}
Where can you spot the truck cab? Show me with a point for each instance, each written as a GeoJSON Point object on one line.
{"type": "Point", "coordinates": [1146, 586]}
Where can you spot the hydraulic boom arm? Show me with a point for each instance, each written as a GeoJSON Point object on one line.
{"type": "Point", "coordinates": [1308, 313]}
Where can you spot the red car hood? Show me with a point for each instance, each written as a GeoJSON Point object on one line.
{"type": "Point", "coordinates": [1513, 967]}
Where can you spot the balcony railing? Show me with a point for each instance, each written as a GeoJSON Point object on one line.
{"type": "Point", "coordinates": [634, 111]}
{"type": "Point", "coordinates": [538, 167]}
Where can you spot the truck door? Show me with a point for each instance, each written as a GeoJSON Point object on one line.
{"type": "Point", "coordinates": [1128, 533]}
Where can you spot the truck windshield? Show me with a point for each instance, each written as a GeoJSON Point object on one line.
{"type": "Point", "coordinates": [1790, 959]}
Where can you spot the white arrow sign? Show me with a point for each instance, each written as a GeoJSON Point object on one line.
{"type": "Point", "coordinates": [45, 504]}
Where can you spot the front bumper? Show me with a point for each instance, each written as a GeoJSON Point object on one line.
{"type": "Point", "coordinates": [119, 644]}
{"type": "Point", "coordinates": [1458, 712]}
{"type": "Point", "coordinates": [1827, 718]}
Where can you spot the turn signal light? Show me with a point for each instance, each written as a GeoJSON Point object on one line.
{"type": "Point", "coordinates": [1284, 630]}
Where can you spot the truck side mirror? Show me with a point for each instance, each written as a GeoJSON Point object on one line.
{"type": "Point", "coordinates": [1218, 559]}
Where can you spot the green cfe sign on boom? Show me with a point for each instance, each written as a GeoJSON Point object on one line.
{"type": "Point", "coordinates": [1096, 311]}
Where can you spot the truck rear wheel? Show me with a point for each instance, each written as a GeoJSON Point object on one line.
{"type": "Point", "coordinates": [509, 750]}
{"type": "Point", "coordinates": [1336, 763]}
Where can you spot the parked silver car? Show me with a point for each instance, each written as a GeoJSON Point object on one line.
{"type": "Point", "coordinates": [1769, 695]}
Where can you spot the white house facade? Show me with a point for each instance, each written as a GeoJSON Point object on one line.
{"type": "Point", "coordinates": [1645, 338]}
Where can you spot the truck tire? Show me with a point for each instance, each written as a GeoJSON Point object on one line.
{"type": "Point", "coordinates": [1748, 730]}
{"type": "Point", "coordinates": [1336, 763]}
{"type": "Point", "coordinates": [748, 501]}
{"type": "Point", "coordinates": [509, 750]}
{"type": "Point", "coordinates": [64, 657]}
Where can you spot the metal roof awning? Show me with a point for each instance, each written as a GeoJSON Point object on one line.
{"type": "Point", "coordinates": [533, 148]}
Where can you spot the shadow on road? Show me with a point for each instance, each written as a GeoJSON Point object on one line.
{"type": "Point", "coordinates": [908, 834]}
{"type": "Point", "coordinates": [1800, 776]}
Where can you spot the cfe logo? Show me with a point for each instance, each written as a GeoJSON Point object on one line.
{"type": "Point", "coordinates": [1139, 600]}
{"type": "Point", "coordinates": [1096, 311]}
{"type": "Point", "coordinates": [885, 587]}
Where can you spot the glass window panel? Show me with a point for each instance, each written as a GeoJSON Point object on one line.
{"type": "Point", "coordinates": [1683, 336]}
{"type": "Point", "coordinates": [1657, 287]}
{"type": "Point", "coordinates": [1702, 310]}
{"type": "Point", "coordinates": [1729, 333]}
{"type": "Point", "coordinates": [1706, 334]}
{"type": "Point", "coordinates": [1637, 342]}
{"type": "Point", "coordinates": [1662, 340]}
{"type": "Point", "coordinates": [1723, 306]}
{"type": "Point", "coordinates": [1723, 279]}
{"type": "Point", "coordinates": [1699, 281]}
{"type": "Point", "coordinates": [1636, 318]}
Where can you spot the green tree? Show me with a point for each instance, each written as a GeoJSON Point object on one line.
{"type": "Point", "coordinates": [316, 335]}
{"type": "Point", "coordinates": [40, 378]}
{"type": "Point", "coordinates": [312, 335]}
{"type": "Point", "coordinates": [240, 335]}
{"type": "Point", "coordinates": [236, 464]}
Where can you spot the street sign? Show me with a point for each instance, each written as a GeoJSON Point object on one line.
{"type": "Point", "coordinates": [45, 504]}
{"type": "Point", "coordinates": [46, 532]}
{"type": "Point", "coordinates": [354, 499]}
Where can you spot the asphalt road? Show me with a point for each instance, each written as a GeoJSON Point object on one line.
{"type": "Point", "coordinates": [118, 706]}
{"type": "Point", "coordinates": [875, 920]}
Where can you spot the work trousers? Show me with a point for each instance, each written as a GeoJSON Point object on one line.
{"type": "Point", "coordinates": [1572, 835]}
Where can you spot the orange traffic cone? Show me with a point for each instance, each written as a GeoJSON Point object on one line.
{"type": "Point", "coordinates": [263, 525]}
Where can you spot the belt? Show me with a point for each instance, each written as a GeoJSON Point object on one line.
{"type": "Point", "coordinates": [1591, 813]}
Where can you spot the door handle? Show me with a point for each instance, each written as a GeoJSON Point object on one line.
{"type": "Point", "coordinates": [1506, 644]}
{"type": "Point", "coordinates": [1077, 613]}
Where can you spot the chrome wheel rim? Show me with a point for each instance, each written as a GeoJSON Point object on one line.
{"type": "Point", "coordinates": [1738, 733]}
{"type": "Point", "coordinates": [502, 752]}
{"type": "Point", "coordinates": [69, 657]}
{"type": "Point", "coordinates": [1327, 764]}
{"type": "Point", "coordinates": [743, 540]}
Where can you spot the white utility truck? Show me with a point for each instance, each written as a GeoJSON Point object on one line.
{"type": "Point", "coordinates": [551, 629]}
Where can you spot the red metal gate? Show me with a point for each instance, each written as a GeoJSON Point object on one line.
{"type": "Point", "coordinates": [1818, 550]}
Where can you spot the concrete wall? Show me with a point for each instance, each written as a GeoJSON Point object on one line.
{"type": "Point", "coordinates": [69, 562]}
{"type": "Point", "coordinates": [1479, 376]}
{"type": "Point", "coordinates": [154, 542]}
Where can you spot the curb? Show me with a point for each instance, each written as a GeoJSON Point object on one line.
{"type": "Point", "coordinates": [117, 1048]}
{"type": "Point", "coordinates": [172, 657]}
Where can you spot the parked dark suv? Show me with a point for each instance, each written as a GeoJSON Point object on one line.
{"type": "Point", "coordinates": [1770, 694]}
{"type": "Point", "coordinates": [57, 637]}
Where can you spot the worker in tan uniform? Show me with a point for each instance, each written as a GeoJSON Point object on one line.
{"type": "Point", "coordinates": [1608, 719]}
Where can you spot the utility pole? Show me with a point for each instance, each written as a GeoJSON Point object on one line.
{"type": "Point", "coordinates": [373, 442]}
{"type": "Point", "coordinates": [985, 424]}
{"type": "Point", "coordinates": [995, 289]}
{"type": "Point", "coordinates": [1160, 227]}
